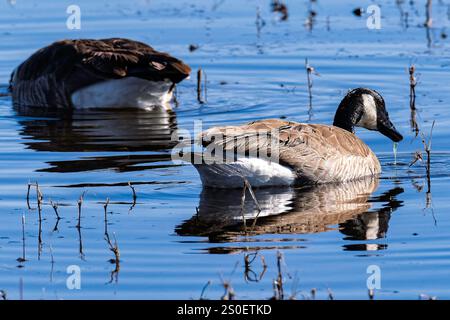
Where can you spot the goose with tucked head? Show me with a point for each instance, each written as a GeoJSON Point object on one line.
{"type": "Point", "coordinates": [89, 73]}
{"type": "Point", "coordinates": [276, 152]}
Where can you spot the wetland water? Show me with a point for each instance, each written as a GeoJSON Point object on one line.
{"type": "Point", "coordinates": [177, 237]}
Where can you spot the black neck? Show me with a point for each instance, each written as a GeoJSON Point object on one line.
{"type": "Point", "coordinates": [343, 124]}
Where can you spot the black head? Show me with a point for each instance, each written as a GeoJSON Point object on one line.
{"type": "Point", "coordinates": [365, 108]}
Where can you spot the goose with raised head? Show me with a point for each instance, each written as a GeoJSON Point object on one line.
{"type": "Point", "coordinates": [106, 73]}
{"type": "Point", "coordinates": [276, 152]}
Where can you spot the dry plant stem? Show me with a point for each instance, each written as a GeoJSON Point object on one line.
{"type": "Point", "coordinates": [229, 292]}
{"type": "Point", "coordinates": [244, 221]}
{"type": "Point", "coordinates": [412, 99]}
{"type": "Point", "coordinates": [279, 280]}
{"type": "Point", "coordinates": [39, 198]}
{"type": "Point", "coordinates": [199, 85]}
{"type": "Point", "coordinates": [80, 204]}
{"type": "Point", "coordinates": [429, 20]}
{"type": "Point", "coordinates": [412, 87]}
{"type": "Point", "coordinates": [308, 74]}
{"type": "Point", "coordinates": [55, 208]}
{"type": "Point", "coordinates": [105, 207]}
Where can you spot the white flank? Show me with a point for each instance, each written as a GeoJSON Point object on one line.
{"type": "Point", "coordinates": [129, 92]}
{"type": "Point", "coordinates": [258, 172]}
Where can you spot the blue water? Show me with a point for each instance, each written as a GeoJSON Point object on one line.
{"type": "Point", "coordinates": [169, 251]}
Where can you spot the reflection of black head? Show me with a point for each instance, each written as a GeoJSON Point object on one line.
{"type": "Point", "coordinates": [373, 224]}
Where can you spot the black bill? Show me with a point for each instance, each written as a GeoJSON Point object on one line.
{"type": "Point", "coordinates": [388, 129]}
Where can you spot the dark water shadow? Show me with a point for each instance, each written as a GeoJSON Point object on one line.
{"type": "Point", "coordinates": [120, 131]}
{"type": "Point", "coordinates": [292, 211]}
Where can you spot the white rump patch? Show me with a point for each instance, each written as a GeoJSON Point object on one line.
{"type": "Point", "coordinates": [258, 172]}
{"type": "Point", "coordinates": [369, 117]}
{"type": "Point", "coordinates": [129, 92]}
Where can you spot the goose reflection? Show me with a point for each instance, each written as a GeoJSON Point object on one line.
{"type": "Point", "coordinates": [126, 130]}
{"type": "Point", "coordinates": [294, 211]}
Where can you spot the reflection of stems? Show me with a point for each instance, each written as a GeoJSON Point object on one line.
{"type": "Point", "coordinates": [23, 259]}
{"type": "Point", "coordinates": [204, 289]}
{"type": "Point", "coordinates": [114, 248]}
{"type": "Point", "coordinates": [105, 207]}
{"type": "Point", "coordinates": [134, 196]}
{"type": "Point", "coordinates": [80, 244]}
{"type": "Point", "coordinates": [427, 148]}
{"type": "Point", "coordinates": [249, 274]}
{"type": "Point", "coordinates": [52, 261]}
{"type": "Point", "coordinates": [28, 196]}
{"type": "Point", "coordinates": [39, 239]}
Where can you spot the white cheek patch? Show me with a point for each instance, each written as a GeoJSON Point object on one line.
{"type": "Point", "coordinates": [369, 117]}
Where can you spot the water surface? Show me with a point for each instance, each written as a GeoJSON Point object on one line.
{"type": "Point", "coordinates": [176, 236]}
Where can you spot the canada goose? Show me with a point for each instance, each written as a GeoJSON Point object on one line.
{"type": "Point", "coordinates": [275, 152]}
{"type": "Point", "coordinates": [106, 73]}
